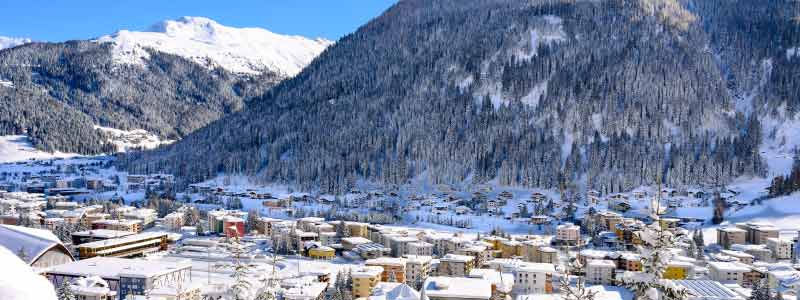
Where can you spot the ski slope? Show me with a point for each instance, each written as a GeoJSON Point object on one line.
{"type": "Point", "coordinates": [14, 148]}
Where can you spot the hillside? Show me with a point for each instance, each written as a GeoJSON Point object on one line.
{"type": "Point", "coordinates": [608, 94]}
{"type": "Point", "coordinates": [59, 93]}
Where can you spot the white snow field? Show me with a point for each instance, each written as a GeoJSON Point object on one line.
{"type": "Point", "coordinates": [239, 50]}
{"type": "Point", "coordinates": [14, 148]}
{"type": "Point", "coordinates": [125, 140]}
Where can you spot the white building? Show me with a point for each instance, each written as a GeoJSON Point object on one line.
{"type": "Point", "coordinates": [781, 249]}
{"type": "Point", "coordinates": [600, 271]}
{"type": "Point", "coordinates": [173, 221]}
{"type": "Point", "coordinates": [727, 272]}
{"type": "Point", "coordinates": [534, 278]}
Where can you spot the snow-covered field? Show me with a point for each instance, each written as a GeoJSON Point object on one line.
{"type": "Point", "coordinates": [239, 50]}
{"type": "Point", "coordinates": [125, 140]}
{"type": "Point", "coordinates": [15, 148]}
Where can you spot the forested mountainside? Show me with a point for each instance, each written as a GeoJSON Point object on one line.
{"type": "Point", "coordinates": [169, 80]}
{"type": "Point", "coordinates": [59, 91]}
{"type": "Point", "coordinates": [613, 94]}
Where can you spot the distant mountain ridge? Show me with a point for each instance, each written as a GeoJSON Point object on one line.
{"type": "Point", "coordinates": [9, 42]}
{"type": "Point", "coordinates": [168, 83]}
{"type": "Point", "coordinates": [202, 40]}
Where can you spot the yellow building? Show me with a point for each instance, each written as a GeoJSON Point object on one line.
{"type": "Point", "coordinates": [678, 270]}
{"type": "Point", "coordinates": [322, 253]}
{"type": "Point", "coordinates": [365, 279]}
{"type": "Point", "coordinates": [509, 248]}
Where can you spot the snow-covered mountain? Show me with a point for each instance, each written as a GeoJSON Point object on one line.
{"type": "Point", "coordinates": [8, 42]}
{"type": "Point", "coordinates": [239, 50]}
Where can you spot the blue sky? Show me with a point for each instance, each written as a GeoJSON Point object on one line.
{"type": "Point", "coordinates": [59, 20]}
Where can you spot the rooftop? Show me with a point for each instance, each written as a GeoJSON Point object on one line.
{"type": "Point", "coordinates": [707, 289]}
{"type": "Point", "coordinates": [458, 287]}
{"type": "Point", "coordinates": [113, 268]}
{"type": "Point", "coordinates": [124, 240]}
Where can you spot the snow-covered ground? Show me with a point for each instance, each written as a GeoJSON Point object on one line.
{"type": "Point", "coordinates": [15, 148]}
{"type": "Point", "coordinates": [134, 139]}
{"type": "Point", "coordinates": [6, 84]}
{"type": "Point", "coordinates": [9, 42]}
{"type": "Point", "coordinates": [239, 50]}
{"type": "Point", "coordinates": [19, 282]}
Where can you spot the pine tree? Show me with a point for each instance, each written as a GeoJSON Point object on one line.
{"type": "Point", "coordinates": [579, 291]}
{"type": "Point", "coordinates": [655, 252]}
{"type": "Point", "coordinates": [64, 292]}
{"type": "Point", "coordinates": [760, 291]}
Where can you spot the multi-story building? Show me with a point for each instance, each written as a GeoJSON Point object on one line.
{"type": "Point", "coordinates": [420, 248]}
{"type": "Point", "coordinates": [739, 255]}
{"type": "Point", "coordinates": [534, 278]}
{"type": "Point", "coordinates": [455, 265]}
{"type": "Point", "coordinates": [758, 233]}
{"type": "Point", "coordinates": [727, 236]}
{"type": "Point", "coordinates": [119, 225]}
{"type": "Point", "coordinates": [124, 276]}
{"type": "Point", "coordinates": [132, 245]}
{"type": "Point", "coordinates": [600, 271]}
{"type": "Point", "coordinates": [364, 279]}
{"type": "Point", "coordinates": [88, 236]}
{"type": "Point", "coordinates": [173, 221]}
{"type": "Point", "coordinates": [781, 248]}
{"type": "Point", "coordinates": [568, 234]}
{"type": "Point", "coordinates": [418, 268]}
{"type": "Point", "coordinates": [146, 215]}
{"type": "Point", "coordinates": [394, 269]}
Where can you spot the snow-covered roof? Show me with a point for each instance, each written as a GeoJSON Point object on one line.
{"type": "Point", "coordinates": [19, 282]}
{"type": "Point", "coordinates": [113, 268]}
{"type": "Point", "coordinates": [394, 291]}
{"type": "Point", "coordinates": [728, 266]}
{"type": "Point", "coordinates": [458, 287]}
{"type": "Point", "coordinates": [390, 261]}
{"type": "Point", "coordinates": [33, 242]}
{"type": "Point", "coordinates": [601, 263]}
{"type": "Point", "coordinates": [707, 290]}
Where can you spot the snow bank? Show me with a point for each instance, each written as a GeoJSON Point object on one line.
{"type": "Point", "coordinates": [239, 50]}
{"type": "Point", "coordinates": [15, 148]}
{"type": "Point", "coordinates": [6, 83]}
{"type": "Point", "coordinates": [135, 139]}
{"type": "Point", "coordinates": [19, 282]}
{"type": "Point", "coordinates": [10, 42]}
{"type": "Point", "coordinates": [792, 52]}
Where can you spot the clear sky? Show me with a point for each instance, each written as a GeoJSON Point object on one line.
{"type": "Point", "coordinates": [60, 20]}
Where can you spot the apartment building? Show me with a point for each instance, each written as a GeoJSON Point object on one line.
{"type": "Point", "coordinates": [364, 280]}
{"type": "Point", "coordinates": [600, 271]}
{"type": "Point", "coordinates": [394, 269]}
{"type": "Point", "coordinates": [418, 268]}
{"type": "Point", "coordinates": [455, 265]}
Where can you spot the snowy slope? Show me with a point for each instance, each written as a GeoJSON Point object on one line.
{"type": "Point", "coordinates": [134, 139]}
{"type": "Point", "coordinates": [9, 42]}
{"type": "Point", "coordinates": [239, 50]}
{"type": "Point", "coordinates": [18, 148]}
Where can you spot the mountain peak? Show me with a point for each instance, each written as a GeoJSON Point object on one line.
{"type": "Point", "coordinates": [239, 50]}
